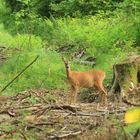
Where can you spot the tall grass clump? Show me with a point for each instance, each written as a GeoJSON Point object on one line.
{"type": "Point", "coordinates": [105, 38]}
{"type": "Point", "coordinates": [110, 38]}
{"type": "Point", "coordinates": [47, 72]}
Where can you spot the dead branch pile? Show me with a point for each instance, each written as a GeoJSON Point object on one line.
{"type": "Point", "coordinates": [44, 114]}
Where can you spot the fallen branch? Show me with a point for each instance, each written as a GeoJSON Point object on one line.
{"type": "Point", "coordinates": [90, 114]}
{"type": "Point", "coordinates": [87, 114]}
{"type": "Point", "coordinates": [28, 127]}
{"type": "Point", "coordinates": [69, 135]}
{"type": "Point", "coordinates": [21, 97]}
{"type": "Point", "coordinates": [42, 98]}
{"type": "Point", "coordinates": [6, 111]}
{"type": "Point", "coordinates": [65, 107]}
{"type": "Point", "coordinates": [129, 102]}
{"type": "Point", "coordinates": [23, 135]}
{"type": "Point", "coordinates": [71, 108]}
{"type": "Point", "coordinates": [85, 62]}
{"type": "Point", "coordinates": [19, 74]}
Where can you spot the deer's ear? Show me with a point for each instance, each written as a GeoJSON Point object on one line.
{"type": "Point", "coordinates": [64, 60]}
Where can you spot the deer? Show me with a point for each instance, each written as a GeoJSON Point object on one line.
{"type": "Point", "coordinates": [88, 79]}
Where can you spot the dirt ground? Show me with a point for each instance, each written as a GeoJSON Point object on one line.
{"type": "Point", "coordinates": [45, 114]}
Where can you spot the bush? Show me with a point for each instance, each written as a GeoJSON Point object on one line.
{"type": "Point", "coordinates": [108, 39]}
{"type": "Point", "coordinates": [47, 72]}
{"type": "Point", "coordinates": [64, 8]}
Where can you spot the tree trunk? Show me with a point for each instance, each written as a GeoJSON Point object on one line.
{"type": "Point", "coordinates": [126, 76]}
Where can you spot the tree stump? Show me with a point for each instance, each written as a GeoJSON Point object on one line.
{"type": "Point", "coordinates": [126, 76]}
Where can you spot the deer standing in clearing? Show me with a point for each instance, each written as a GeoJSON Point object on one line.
{"type": "Point", "coordinates": [92, 78]}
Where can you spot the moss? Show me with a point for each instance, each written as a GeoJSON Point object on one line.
{"type": "Point", "coordinates": [133, 74]}
{"type": "Point", "coordinates": [127, 72]}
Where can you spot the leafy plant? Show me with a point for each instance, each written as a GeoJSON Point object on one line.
{"type": "Point", "coordinates": [132, 118]}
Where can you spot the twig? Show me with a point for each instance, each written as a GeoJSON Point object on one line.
{"type": "Point", "coordinates": [71, 134]}
{"type": "Point", "coordinates": [23, 97]}
{"type": "Point", "coordinates": [87, 114]}
{"type": "Point", "coordinates": [71, 108]}
{"type": "Point", "coordinates": [36, 94]}
{"type": "Point", "coordinates": [11, 132]}
{"type": "Point", "coordinates": [19, 74]}
{"type": "Point", "coordinates": [33, 126]}
{"type": "Point", "coordinates": [129, 103]}
{"type": "Point", "coordinates": [6, 111]}
{"type": "Point", "coordinates": [27, 108]}
{"type": "Point", "coordinates": [23, 135]}
{"type": "Point", "coordinates": [85, 62]}
{"type": "Point", "coordinates": [65, 107]}
{"type": "Point", "coordinates": [46, 123]}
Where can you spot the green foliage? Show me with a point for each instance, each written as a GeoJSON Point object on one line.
{"type": "Point", "coordinates": [73, 8]}
{"type": "Point", "coordinates": [78, 8]}
{"type": "Point", "coordinates": [108, 37]}
{"type": "Point", "coordinates": [131, 128]}
{"type": "Point", "coordinates": [47, 72]}
{"type": "Point", "coordinates": [64, 8]}
{"type": "Point", "coordinates": [106, 29]}
{"type": "Point", "coordinates": [132, 118]}
{"type": "Point", "coordinates": [137, 33]}
{"type": "Point", "coordinates": [130, 6]}
{"type": "Point", "coordinates": [3, 9]}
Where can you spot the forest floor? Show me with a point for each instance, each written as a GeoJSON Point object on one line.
{"type": "Point", "coordinates": [45, 114]}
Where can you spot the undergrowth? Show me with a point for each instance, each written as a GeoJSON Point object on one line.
{"type": "Point", "coordinates": [110, 40]}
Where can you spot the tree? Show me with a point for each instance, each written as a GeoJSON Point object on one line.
{"type": "Point", "coordinates": [65, 8]}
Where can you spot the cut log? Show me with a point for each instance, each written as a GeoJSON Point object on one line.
{"type": "Point", "coordinates": [126, 76]}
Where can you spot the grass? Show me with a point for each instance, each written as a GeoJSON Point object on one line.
{"type": "Point", "coordinates": [108, 39]}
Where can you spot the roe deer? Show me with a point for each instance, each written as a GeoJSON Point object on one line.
{"type": "Point", "coordinates": [92, 78]}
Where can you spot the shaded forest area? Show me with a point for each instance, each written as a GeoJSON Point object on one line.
{"type": "Point", "coordinates": [90, 34]}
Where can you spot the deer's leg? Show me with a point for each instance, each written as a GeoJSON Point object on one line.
{"type": "Point", "coordinates": [104, 94]}
{"type": "Point", "coordinates": [72, 95]}
{"type": "Point", "coordinates": [75, 94]}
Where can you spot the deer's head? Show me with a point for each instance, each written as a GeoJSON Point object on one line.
{"type": "Point", "coordinates": [66, 62]}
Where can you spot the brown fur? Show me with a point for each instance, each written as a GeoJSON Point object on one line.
{"type": "Point", "coordinates": [92, 78]}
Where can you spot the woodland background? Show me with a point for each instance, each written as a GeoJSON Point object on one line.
{"type": "Point", "coordinates": [106, 30]}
